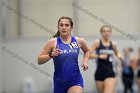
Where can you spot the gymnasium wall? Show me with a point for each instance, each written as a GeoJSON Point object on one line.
{"type": "Point", "coordinates": [122, 14]}
{"type": "Point", "coordinates": [0, 53]}
{"type": "Point", "coordinates": [35, 18]}
{"type": "Point", "coordinates": [30, 23]}
{"type": "Point", "coordinates": [0, 68]}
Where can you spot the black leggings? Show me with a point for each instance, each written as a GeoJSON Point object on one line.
{"type": "Point", "coordinates": [128, 80]}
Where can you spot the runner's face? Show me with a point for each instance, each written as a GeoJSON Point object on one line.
{"type": "Point", "coordinates": [64, 27]}
{"type": "Point", "coordinates": [106, 32]}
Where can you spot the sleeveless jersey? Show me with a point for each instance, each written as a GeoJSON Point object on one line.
{"type": "Point", "coordinates": [66, 64]}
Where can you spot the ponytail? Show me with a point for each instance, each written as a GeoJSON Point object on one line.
{"type": "Point", "coordinates": [57, 34]}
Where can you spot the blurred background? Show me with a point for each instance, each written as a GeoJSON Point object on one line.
{"type": "Point", "coordinates": [26, 26]}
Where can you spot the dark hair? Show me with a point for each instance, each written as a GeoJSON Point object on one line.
{"type": "Point", "coordinates": [64, 17]}
{"type": "Point", "coordinates": [130, 49]}
{"type": "Point", "coordinates": [105, 26]}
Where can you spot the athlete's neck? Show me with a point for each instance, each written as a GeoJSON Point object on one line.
{"type": "Point", "coordinates": [105, 40]}
{"type": "Point", "coordinates": [66, 39]}
{"type": "Point", "coordinates": [126, 55]}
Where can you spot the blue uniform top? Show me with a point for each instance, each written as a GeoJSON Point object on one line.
{"type": "Point", "coordinates": [105, 65]}
{"type": "Point", "coordinates": [66, 64]}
